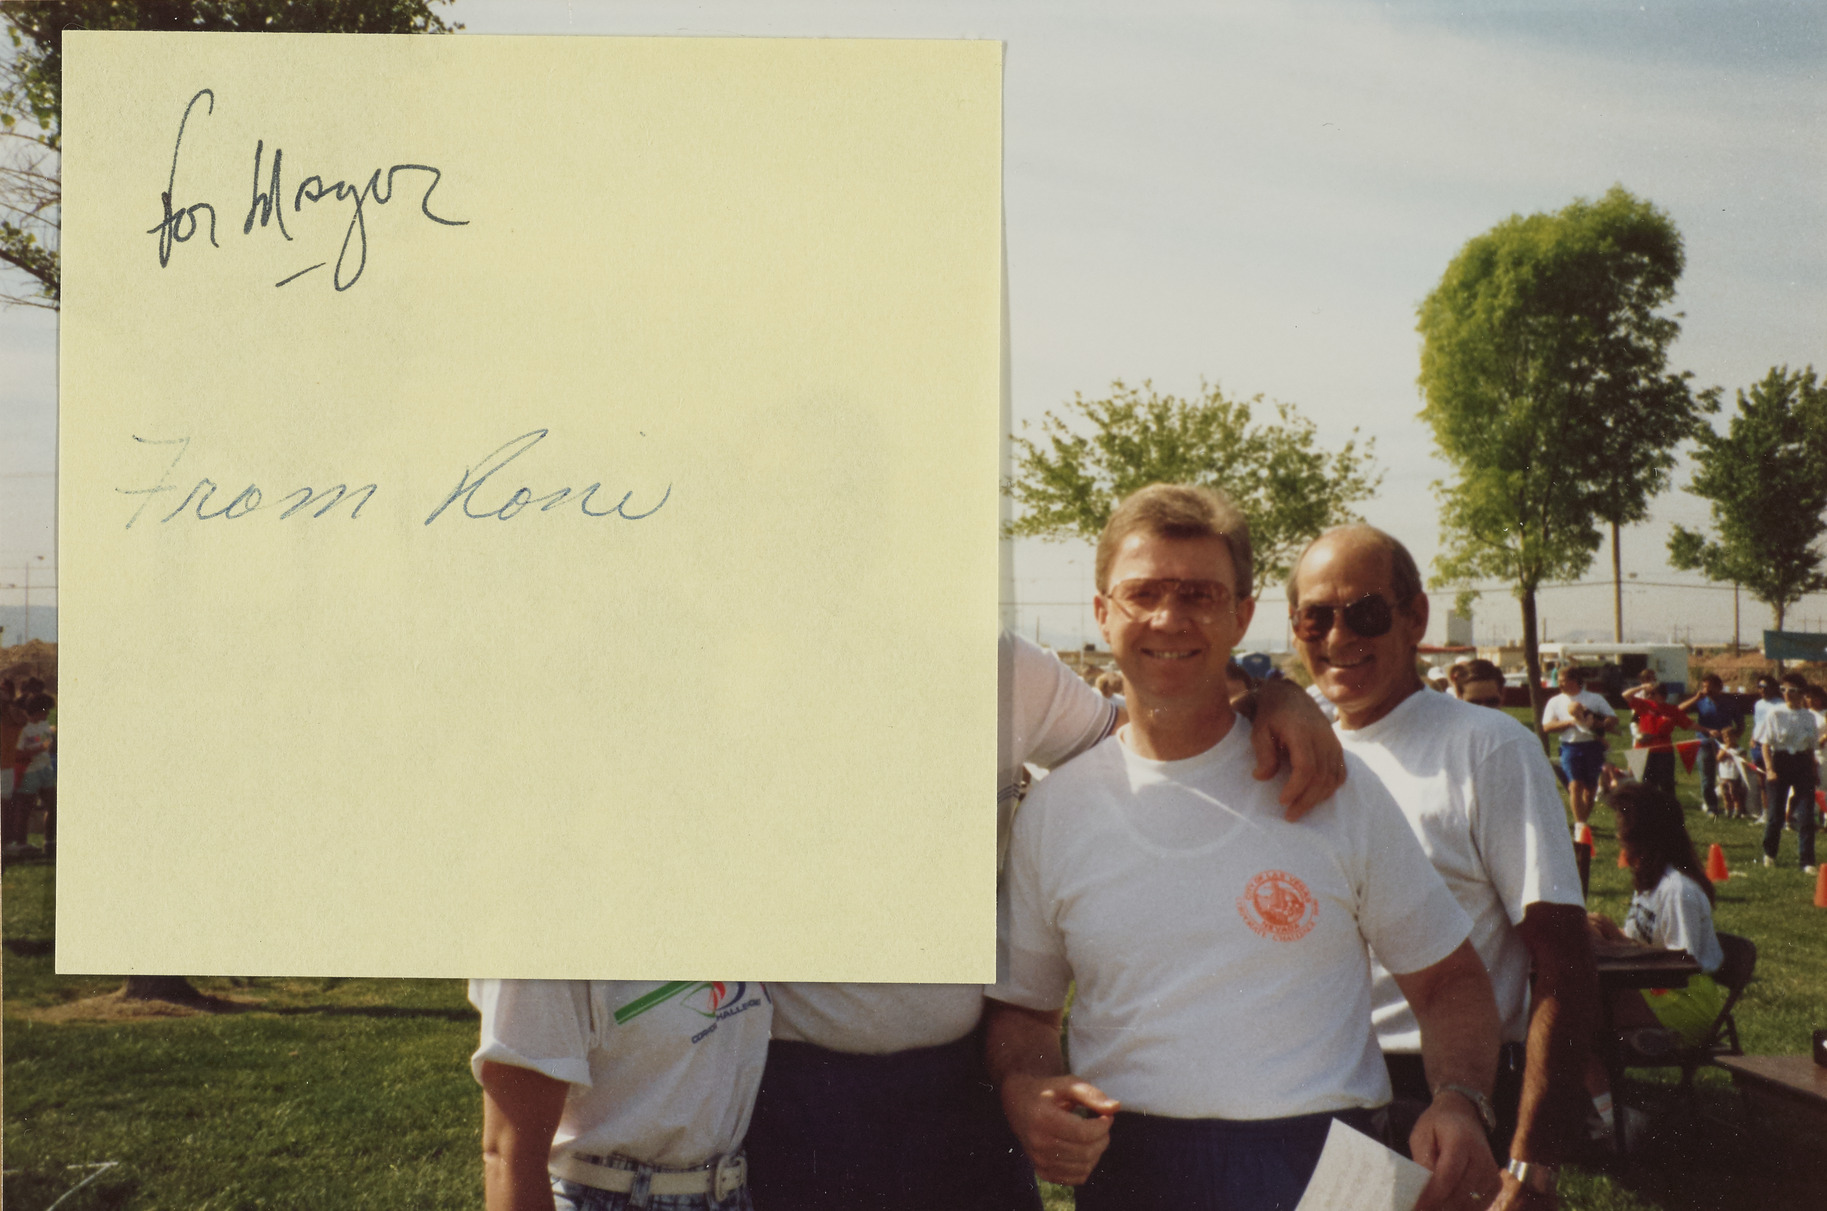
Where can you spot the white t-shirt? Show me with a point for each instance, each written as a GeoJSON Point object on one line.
{"type": "Point", "coordinates": [1047, 715]}
{"type": "Point", "coordinates": [1676, 913]}
{"type": "Point", "coordinates": [31, 737]}
{"type": "Point", "coordinates": [660, 1073]}
{"type": "Point", "coordinates": [1219, 950]}
{"type": "Point", "coordinates": [1786, 731]}
{"type": "Point", "coordinates": [1560, 710]}
{"type": "Point", "coordinates": [1483, 802]}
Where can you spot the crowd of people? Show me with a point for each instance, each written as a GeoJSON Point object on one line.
{"type": "Point", "coordinates": [28, 767]}
{"type": "Point", "coordinates": [1266, 918]}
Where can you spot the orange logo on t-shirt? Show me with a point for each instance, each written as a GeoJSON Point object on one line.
{"type": "Point", "coordinates": [1278, 906]}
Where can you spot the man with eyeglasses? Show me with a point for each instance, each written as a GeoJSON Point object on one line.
{"type": "Point", "coordinates": [1222, 1013]}
{"type": "Point", "coordinates": [874, 1094]}
{"type": "Point", "coordinates": [1478, 795]}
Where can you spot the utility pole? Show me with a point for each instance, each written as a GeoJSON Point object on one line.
{"type": "Point", "coordinates": [1734, 618]}
{"type": "Point", "coordinates": [1617, 589]}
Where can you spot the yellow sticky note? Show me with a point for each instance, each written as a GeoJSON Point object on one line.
{"type": "Point", "coordinates": [528, 506]}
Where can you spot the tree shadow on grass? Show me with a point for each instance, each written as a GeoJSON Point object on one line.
{"type": "Point", "coordinates": [373, 1011]}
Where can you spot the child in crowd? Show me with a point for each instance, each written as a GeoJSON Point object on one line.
{"type": "Point", "coordinates": [1672, 907]}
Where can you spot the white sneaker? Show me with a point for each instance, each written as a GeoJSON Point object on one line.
{"type": "Point", "coordinates": [1809, 870]}
{"type": "Point", "coordinates": [1769, 861]}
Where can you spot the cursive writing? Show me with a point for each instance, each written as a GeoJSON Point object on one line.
{"type": "Point", "coordinates": [181, 223]}
{"type": "Point", "coordinates": [474, 497]}
{"type": "Point", "coordinates": [474, 479]}
{"type": "Point", "coordinates": [249, 500]}
{"type": "Point", "coordinates": [171, 228]}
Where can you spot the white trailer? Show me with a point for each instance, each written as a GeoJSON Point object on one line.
{"type": "Point", "coordinates": [1667, 660]}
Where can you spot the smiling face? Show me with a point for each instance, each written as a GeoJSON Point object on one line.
{"type": "Point", "coordinates": [1364, 676]}
{"type": "Point", "coordinates": [1173, 658]}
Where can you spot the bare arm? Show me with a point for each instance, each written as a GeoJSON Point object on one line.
{"type": "Point", "coordinates": [1039, 1096]}
{"type": "Point", "coordinates": [1457, 1013]}
{"type": "Point", "coordinates": [1563, 1013]}
{"type": "Point", "coordinates": [1288, 725]}
{"type": "Point", "coordinates": [520, 1113]}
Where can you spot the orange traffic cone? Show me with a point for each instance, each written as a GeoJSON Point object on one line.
{"type": "Point", "coordinates": [1582, 834]}
{"type": "Point", "coordinates": [1716, 869]}
{"type": "Point", "coordinates": [1820, 889]}
{"type": "Point", "coordinates": [1622, 864]}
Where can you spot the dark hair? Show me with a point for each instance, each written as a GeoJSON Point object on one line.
{"type": "Point", "coordinates": [39, 702]}
{"type": "Point", "coordinates": [1482, 670]}
{"type": "Point", "coordinates": [1795, 681]}
{"type": "Point", "coordinates": [1573, 671]}
{"type": "Point", "coordinates": [1654, 836]}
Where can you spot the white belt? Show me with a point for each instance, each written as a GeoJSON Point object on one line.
{"type": "Point", "coordinates": [719, 1179]}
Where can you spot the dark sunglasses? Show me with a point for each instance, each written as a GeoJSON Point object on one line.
{"type": "Point", "coordinates": [1368, 617]}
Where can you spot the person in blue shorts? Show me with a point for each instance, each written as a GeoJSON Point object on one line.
{"type": "Point", "coordinates": [1581, 718]}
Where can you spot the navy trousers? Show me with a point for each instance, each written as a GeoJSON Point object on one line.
{"type": "Point", "coordinates": [1155, 1163]}
{"type": "Point", "coordinates": [917, 1130]}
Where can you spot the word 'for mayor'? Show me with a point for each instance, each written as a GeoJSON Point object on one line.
{"type": "Point", "coordinates": [181, 222]}
{"type": "Point", "coordinates": [468, 499]}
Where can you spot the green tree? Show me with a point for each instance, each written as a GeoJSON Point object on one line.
{"type": "Point", "coordinates": [1544, 374]}
{"type": "Point", "coordinates": [31, 80]}
{"type": "Point", "coordinates": [1069, 481]}
{"type": "Point", "coordinates": [1765, 479]}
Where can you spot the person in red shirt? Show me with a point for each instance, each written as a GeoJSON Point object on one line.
{"type": "Point", "coordinates": [1656, 722]}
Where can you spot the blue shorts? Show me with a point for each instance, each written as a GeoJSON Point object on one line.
{"type": "Point", "coordinates": [1581, 760]}
{"type": "Point", "coordinates": [38, 780]}
{"type": "Point", "coordinates": [1155, 1163]}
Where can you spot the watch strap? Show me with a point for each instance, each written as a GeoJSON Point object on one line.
{"type": "Point", "coordinates": [1487, 1113]}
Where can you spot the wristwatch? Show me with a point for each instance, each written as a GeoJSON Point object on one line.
{"type": "Point", "coordinates": [1536, 1176]}
{"type": "Point", "coordinates": [1487, 1113]}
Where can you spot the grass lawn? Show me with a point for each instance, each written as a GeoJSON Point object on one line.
{"type": "Point", "coordinates": [326, 1094]}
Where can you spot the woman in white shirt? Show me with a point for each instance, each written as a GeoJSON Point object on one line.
{"type": "Point", "coordinates": [1672, 908]}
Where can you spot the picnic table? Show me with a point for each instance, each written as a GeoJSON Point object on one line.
{"type": "Point", "coordinates": [1792, 1085]}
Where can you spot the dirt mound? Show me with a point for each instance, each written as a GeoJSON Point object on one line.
{"type": "Point", "coordinates": [118, 1007]}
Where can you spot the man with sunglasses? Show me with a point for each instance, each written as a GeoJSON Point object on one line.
{"type": "Point", "coordinates": [1222, 1013]}
{"type": "Point", "coordinates": [1478, 795]}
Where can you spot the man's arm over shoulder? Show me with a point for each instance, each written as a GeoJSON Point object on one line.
{"type": "Point", "coordinates": [1048, 712]}
{"type": "Point", "coordinates": [1288, 728]}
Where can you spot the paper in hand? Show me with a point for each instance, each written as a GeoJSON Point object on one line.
{"type": "Point", "coordinates": [1356, 1173]}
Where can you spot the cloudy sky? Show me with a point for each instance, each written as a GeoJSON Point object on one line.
{"type": "Point", "coordinates": [1259, 194]}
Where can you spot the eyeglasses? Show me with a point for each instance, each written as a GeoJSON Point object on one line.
{"type": "Point", "coordinates": [1140, 596]}
{"type": "Point", "coordinates": [1368, 617]}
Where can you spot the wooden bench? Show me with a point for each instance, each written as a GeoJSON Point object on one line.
{"type": "Point", "coordinates": [1789, 1085]}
